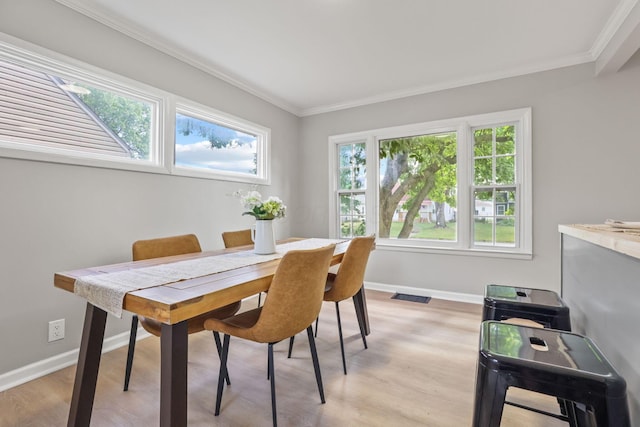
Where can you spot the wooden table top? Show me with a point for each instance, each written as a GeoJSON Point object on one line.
{"type": "Point", "coordinates": [178, 301]}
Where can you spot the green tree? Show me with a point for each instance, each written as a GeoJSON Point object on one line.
{"type": "Point", "coordinates": [421, 167]}
{"type": "Point", "coordinates": [504, 155]}
{"type": "Point", "coordinates": [129, 119]}
{"type": "Point", "coordinates": [418, 167]}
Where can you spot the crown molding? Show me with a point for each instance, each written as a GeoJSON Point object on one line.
{"type": "Point", "coordinates": [620, 38]}
{"type": "Point", "coordinates": [613, 25]}
{"type": "Point", "coordinates": [452, 84]}
{"type": "Point", "coordinates": [602, 41]}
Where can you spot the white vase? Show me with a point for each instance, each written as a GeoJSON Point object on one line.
{"type": "Point", "coordinates": [263, 238]}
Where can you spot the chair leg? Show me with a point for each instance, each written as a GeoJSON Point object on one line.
{"type": "Point", "coordinates": [290, 346]}
{"type": "Point", "coordinates": [273, 385]}
{"type": "Point", "coordinates": [316, 364]}
{"type": "Point", "coordinates": [216, 337]}
{"type": "Point", "coordinates": [259, 298]}
{"type": "Point", "coordinates": [223, 371]}
{"type": "Point", "coordinates": [317, 318]}
{"type": "Point", "coordinates": [360, 304]}
{"type": "Point", "coordinates": [344, 363]}
{"type": "Point", "coordinates": [132, 348]}
{"type": "Point", "coordinates": [363, 335]}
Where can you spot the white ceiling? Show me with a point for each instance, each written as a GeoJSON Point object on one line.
{"type": "Point", "coordinates": [311, 56]}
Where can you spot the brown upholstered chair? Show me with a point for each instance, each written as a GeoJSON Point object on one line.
{"type": "Point", "coordinates": [346, 283]}
{"type": "Point", "coordinates": [233, 239]}
{"type": "Point", "coordinates": [293, 303]}
{"type": "Point", "coordinates": [168, 246]}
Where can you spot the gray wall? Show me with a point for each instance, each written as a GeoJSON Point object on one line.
{"type": "Point", "coordinates": [57, 217]}
{"type": "Point", "coordinates": [585, 168]}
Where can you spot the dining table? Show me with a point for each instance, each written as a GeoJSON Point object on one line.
{"type": "Point", "coordinates": [172, 304]}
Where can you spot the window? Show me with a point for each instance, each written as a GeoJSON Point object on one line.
{"type": "Point", "coordinates": [67, 112]}
{"type": "Point", "coordinates": [352, 167]}
{"type": "Point", "coordinates": [208, 142]}
{"type": "Point", "coordinates": [42, 111]}
{"type": "Point", "coordinates": [461, 184]}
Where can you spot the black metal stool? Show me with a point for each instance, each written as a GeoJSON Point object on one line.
{"type": "Point", "coordinates": [556, 363]}
{"type": "Point", "coordinates": [541, 306]}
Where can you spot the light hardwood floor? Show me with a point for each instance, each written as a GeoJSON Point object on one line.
{"type": "Point", "coordinates": [419, 370]}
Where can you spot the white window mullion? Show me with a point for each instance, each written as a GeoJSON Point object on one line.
{"type": "Point", "coordinates": [167, 125]}
{"type": "Point", "coordinates": [373, 182]}
{"type": "Point", "coordinates": [465, 175]}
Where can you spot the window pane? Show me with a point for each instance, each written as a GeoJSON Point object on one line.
{"type": "Point", "coordinates": [345, 155]}
{"type": "Point", "coordinates": [494, 217]}
{"type": "Point", "coordinates": [346, 227]}
{"type": "Point", "coordinates": [352, 204]}
{"type": "Point", "coordinates": [43, 110]}
{"type": "Point", "coordinates": [207, 145]}
{"type": "Point", "coordinates": [345, 204]}
{"type": "Point", "coordinates": [346, 179]}
{"type": "Point", "coordinates": [505, 170]}
{"type": "Point", "coordinates": [506, 231]}
{"type": "Point", "coordinates": [505, 142]}
{"type": "Point", "coordinates": [418, 187]}
{"type": "Point", "coordinates": [483, 169]}
{"type": "Point", "coordinates": [506, 200]}
{"type": "Point", "coordinates": [483, 203]}
{"type": "Point", "coordinates": [352, 211]}
{"type": "Point", "coordinates": [483, 231]}
{"type": "Point", "coordinates": [352, 165]}
{"type": "Point", "coordinates": [359, 226]}
{"type": "Point", "coordinates": [483, 142]}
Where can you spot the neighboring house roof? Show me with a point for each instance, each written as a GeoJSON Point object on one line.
{"type": "Point", "coordinates": [35, 110]}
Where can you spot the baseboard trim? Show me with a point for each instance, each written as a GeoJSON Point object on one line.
{"type": "Point", "coordinates": [433, 293]}
{"type": "Point", "coordinates": [43, 367]}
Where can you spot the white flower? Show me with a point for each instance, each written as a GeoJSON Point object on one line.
{"type": "Point", "coordinates": [272, 208]}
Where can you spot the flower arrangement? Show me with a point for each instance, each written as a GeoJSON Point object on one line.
{"type": "Point", "coordinates": [271, 208]}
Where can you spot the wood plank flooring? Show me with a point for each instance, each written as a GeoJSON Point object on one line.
{"type": "Point", "coordinates": [419, 370]}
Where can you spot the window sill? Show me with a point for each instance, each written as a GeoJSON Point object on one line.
{"type": "Point", "coordinates": [494, 253]}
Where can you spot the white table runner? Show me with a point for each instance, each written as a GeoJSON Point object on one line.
{"type": "Point", "coordinates": [107, 290]}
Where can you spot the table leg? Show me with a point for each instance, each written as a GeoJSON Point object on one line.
{"type": "Point", "coordinates": [84, 387]}
{"type": "Point", "coordinates": [173, 375]}
{"type": "Point", "coordinates": [360, 304]}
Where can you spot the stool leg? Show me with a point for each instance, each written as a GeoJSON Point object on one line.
{"type": "Point", "coordinates": [570, 411]}
{"type": "Point", "coordinates": [491, 390]}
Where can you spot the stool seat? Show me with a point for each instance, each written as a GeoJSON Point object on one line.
{"type": "Point", "coordinates": [556, 363]}
{"type": "Point", "coordinates": [539, 305]}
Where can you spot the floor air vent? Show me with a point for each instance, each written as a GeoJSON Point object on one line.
{"type": "Point", "coordinates": [412, 298]}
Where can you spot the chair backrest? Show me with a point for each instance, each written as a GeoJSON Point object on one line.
{"type": "Point", "coordinates": [350, 275]}
{"type": "Point", "coordinates": [165, 246]}
{"type": "Point", "coordinates": [232, 239]}
{"type": "Point", "coordinates": [295, 295]}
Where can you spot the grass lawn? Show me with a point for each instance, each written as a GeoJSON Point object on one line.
{"type": "Point", "coordinates": [483, 231]}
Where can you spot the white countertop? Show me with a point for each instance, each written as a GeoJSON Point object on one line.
{"type": "Point", "coordinates": [618, 240]}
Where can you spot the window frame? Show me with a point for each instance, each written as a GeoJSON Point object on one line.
{"type": "Point", "coordinates": [464, 244]}
{"type": "Point", "coordinates": [263, 136]}
{"type": "Point", "coordinates": [350, 192]}
{"type": "Point", "coordinates": [164, 104]}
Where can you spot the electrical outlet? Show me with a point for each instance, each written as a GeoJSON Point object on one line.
{"type": "Point", "coordinates": [56, 330]}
